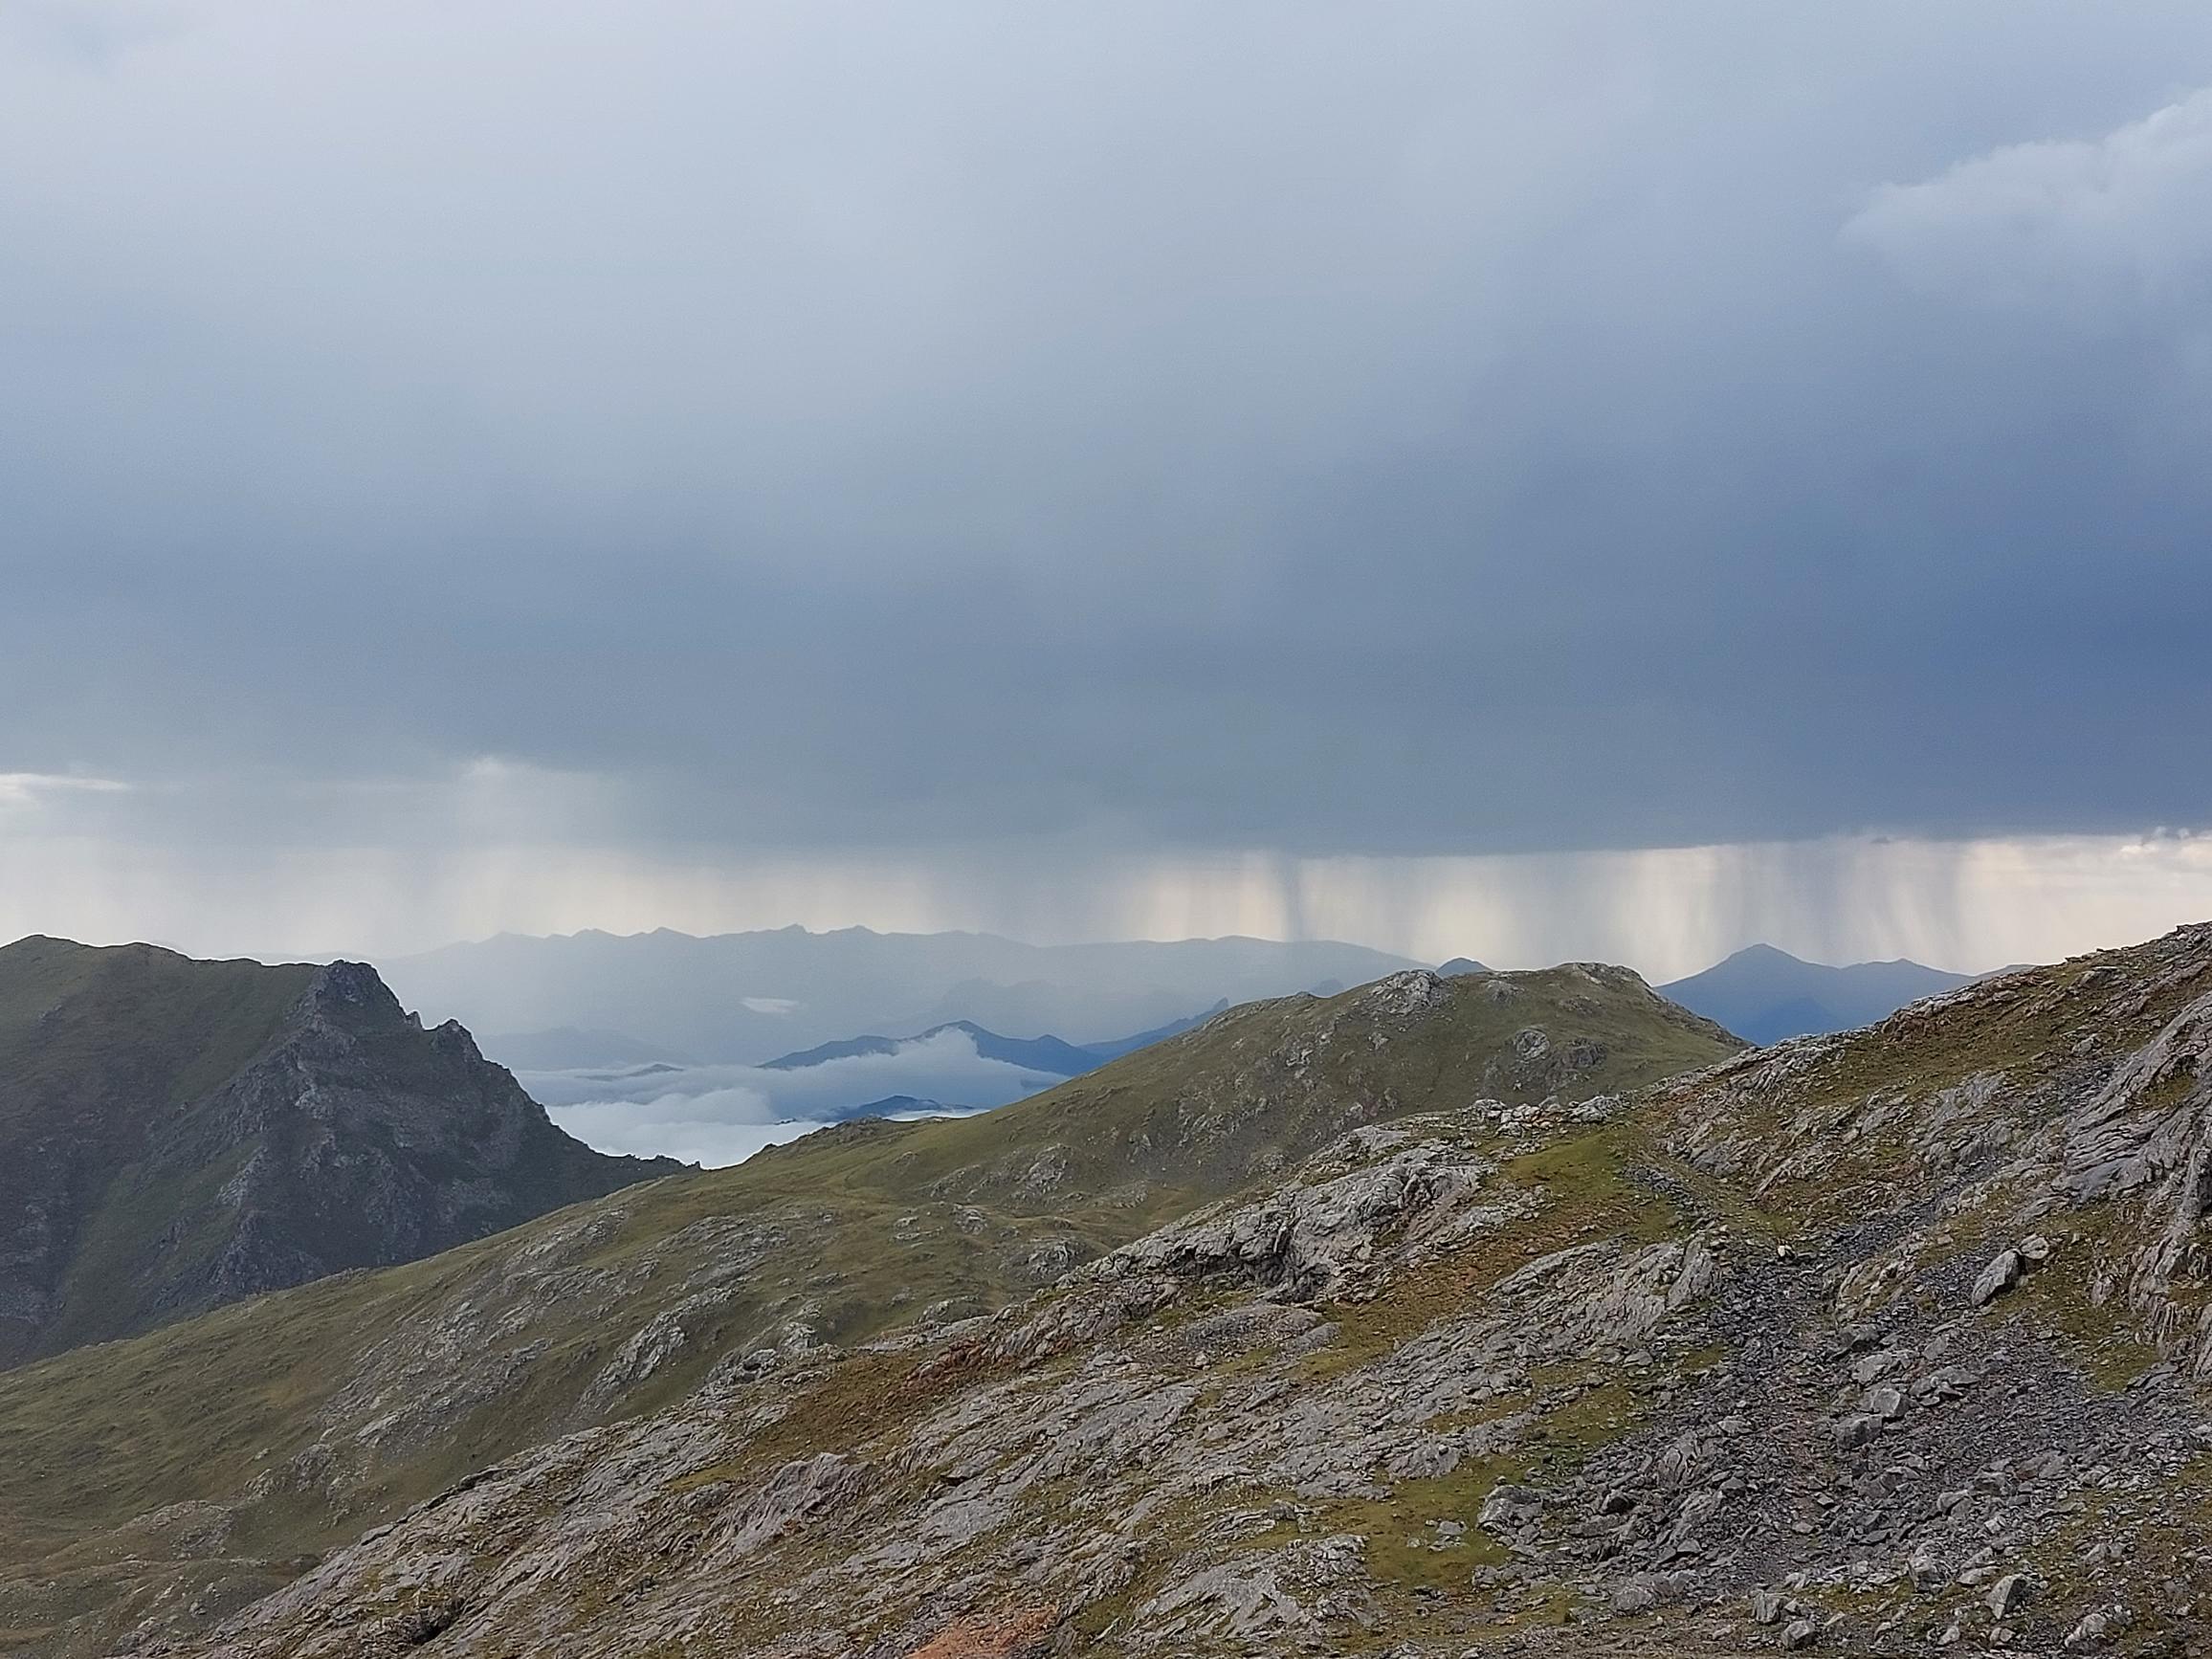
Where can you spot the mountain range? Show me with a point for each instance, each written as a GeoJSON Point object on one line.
{"type": "Point", "coordinates": [290, 1423]}
{"type": "Point", "coordinates": [1764, 995]}
{"type": "Point", "coordinates": [599, 1000]}
{"type": "Point", "coordinates": [1506, 1314]}
{"type": "Point", "coordinates": [176, 1135]}
{"type": "Point", "coordinates": [1046, 1054]}
{"type": "Point", "coordinates": [573, 1048]}
{"type": "Point", "coordinates": [626, 1095]}
{"type": "Point", "coordinates": [720, 1115]}
{"type": "Point", "coordinates": [745, 998]}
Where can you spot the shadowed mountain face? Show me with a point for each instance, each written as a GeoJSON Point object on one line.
{"type": "Point", "coordinates": [1765, 995]}
{"type": "Point", "coordinates": [175, 1134]}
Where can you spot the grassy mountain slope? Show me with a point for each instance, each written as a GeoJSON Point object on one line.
{"type": "Point", "coordinates": [290, 1423]}
{"type": "Point", "coordinates": [1894, 1342]}
{"type": "Point", "coordinates": [171, 1027]}
{"type": "Point", "coordinates": [1257, 1087]}
{"type": "Point", "coordinates": [1114, 1048]}
{"type": "Point", "coordinates": [176, 1133]}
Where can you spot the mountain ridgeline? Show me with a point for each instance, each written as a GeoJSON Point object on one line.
{"type": "Point", "coordinates": [1512, 1315]}
{"type": "Point", "coordinates": [1764, 995]}
{"type": "Point", "coordinates": [176, 1135]}
{"type": "Point", "coordinates": [743, 998]}
{"type": "Point", "coordinates": [291, 1421]}
{"type": "Point", "coordinates": [1046, 1054]}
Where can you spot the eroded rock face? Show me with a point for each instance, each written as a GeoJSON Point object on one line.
{"type": "Point", "coordinates": [2001, 1274]}
{"type": "Point", "coordinates": [177, 1135]}
{"type": "Point", "coordinates": [373, 1141]}
{"type": "Point", "coordinates": [1707, 1371]}
{"type": "Point", "coordinates": [1317, 1236]}
{"type": "Point", "coordinates": [2147, 1138]}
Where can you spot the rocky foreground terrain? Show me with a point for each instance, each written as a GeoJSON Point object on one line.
{"type": "Point", "coordinates": [1888, 1342]}
{"type": "Point", "coordinates": [176, 1135]}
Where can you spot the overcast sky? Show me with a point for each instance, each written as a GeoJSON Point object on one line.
{"type": "Point", "coordinates": [482, 464]}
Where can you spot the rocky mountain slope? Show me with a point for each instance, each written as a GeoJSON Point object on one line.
{"type": "Point", "coordinates": [176, 1135]}
{"type": "Point", "coordinates": [1894, 1342]}
{"type": "Point", "coordinates": [1891, 1342]}
{"type": "Point", "coordinates": [150, 1487]}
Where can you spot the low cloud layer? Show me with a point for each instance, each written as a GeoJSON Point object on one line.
{"type": "Point", "coordinates": [697, 1129]}
{"type": "Point", "coordinates": [718, 1114]}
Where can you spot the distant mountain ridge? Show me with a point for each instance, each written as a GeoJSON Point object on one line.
{"type": "Point", "coordinates": [903, 1106]}
{"type": "Point", "coordinates": [745, 998]}
{"type": "Point", "coordinates": [712, 1114]}
{"type": "Point", "coordinates": [1764, 994]}
{"type": "Point", "coordinates": [175, 1134]}
{"type": "Point", "coordinates": [1118, 1047]}
{"type": "Point", "coordinates": [1046, 1054]}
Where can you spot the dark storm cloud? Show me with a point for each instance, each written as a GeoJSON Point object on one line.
{"type": "Point", "coordinates": [1399, 429]}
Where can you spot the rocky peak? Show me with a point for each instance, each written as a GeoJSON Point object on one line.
{"type": "Point", "coordinates": [355, 986]}
{"type": "Point", "coordinates": [179, 1133]}
{"type": "Point", "coordinates": [1415, 991]}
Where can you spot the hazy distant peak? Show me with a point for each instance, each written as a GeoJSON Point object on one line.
{"type": "Point", "coordinates": [1763, 993]}
{"type": "Point", "coordinates": [1764, 953]}
{"type": "Point", "coordinates": [743, 998]}
{"type": "Point", "coordinates": [1045, 1054]}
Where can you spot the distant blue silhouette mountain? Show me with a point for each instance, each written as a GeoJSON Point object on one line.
{"type": "Point", "coordinates": [738, 998]}
{"type": "Point", "coordinates": [897, 1105]}
{"type": "Point", "coordinates": [1461, 964]}
{"type": "Point", "coordinates": [1046, 1054]}
{"type": "Point", "coordinates": [1120, 1046]}
{"type": "Point", "coordinates": [1764, 995]}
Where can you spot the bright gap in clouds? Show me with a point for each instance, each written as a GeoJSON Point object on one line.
{"type": "Point", "coordinates": [92, 863]}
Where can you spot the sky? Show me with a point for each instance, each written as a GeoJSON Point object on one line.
{"type": "Point", "coordinates": [1526, 480]}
